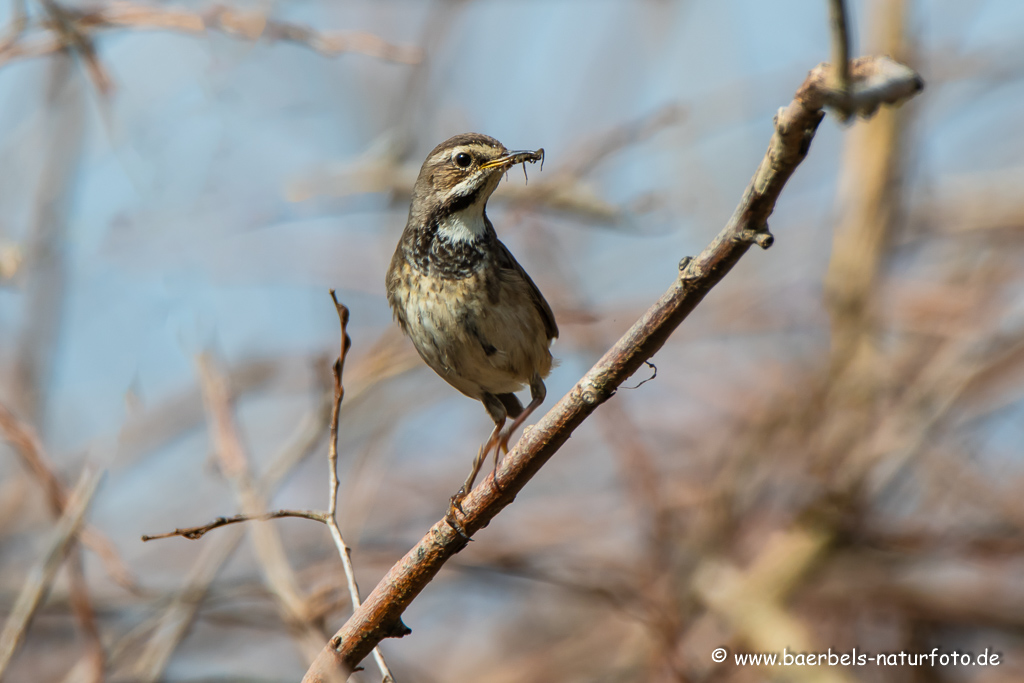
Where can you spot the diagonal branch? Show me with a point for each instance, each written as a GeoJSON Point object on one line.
{"type": "Point", "coordinates": [873, 82]}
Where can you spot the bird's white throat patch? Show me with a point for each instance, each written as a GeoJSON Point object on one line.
{"type": "Point", "coordinates": [463, 226]}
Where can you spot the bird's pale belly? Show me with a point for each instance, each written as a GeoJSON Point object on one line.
{"type": "Point", "coordinates": [473, 343]}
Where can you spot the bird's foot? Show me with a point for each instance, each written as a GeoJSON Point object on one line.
{"type": "Point", "coordinates": [455, 511]}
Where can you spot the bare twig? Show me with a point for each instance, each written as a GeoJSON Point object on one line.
{"type": "Point", "coordinates": [339, 394]}
{"type": "Point", "coordinates": [235, 23]}
{"type": "Point", "coordinates": [332, 521]}
{"type": "Point", "coordinates": [196, 532]}
{"type": "Point", "coordinates": [41, 577]}
{"type": "Point", "coordinates": [332, 457]}
{"type": "Point", "coordinates": [840, 50]}
{"type": "Point", "coordinates": [795, 125]}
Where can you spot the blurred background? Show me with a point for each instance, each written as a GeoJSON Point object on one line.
{"type": "Point", "coordinates": [830, 455]}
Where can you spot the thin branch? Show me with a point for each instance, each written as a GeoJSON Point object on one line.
{"type": "Point", "coordinates": [332, 457]}
{"type": "Point", "coordinates": [840, 50]}
{"type": "Point", "coordinates": [380, 616]}
{"type": "Point", "coordinates": [42, 575]}
{"type": "Point", "coordinates": [196, 532]}
{"type": "Point", "coordinates": [332, 521]}
{"type": "Point", "coordinates": [339, 394]}
{"type": "Point", "coordinates": [235, 23]}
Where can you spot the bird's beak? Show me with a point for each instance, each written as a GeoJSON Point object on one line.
{"type": "Point", "coordinates": [509, 160]}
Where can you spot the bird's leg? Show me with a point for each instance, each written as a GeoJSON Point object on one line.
{"type": "Point", "coordinates": [497, 463]}
{"type": "Point", "coordinates": [497, 413]}
{"type": "Point", "coordinates": [478, 462]}
{"type": "Point", "coordinates": [537, 392]}
{"type": "Point", "coordinates": [514, 409]}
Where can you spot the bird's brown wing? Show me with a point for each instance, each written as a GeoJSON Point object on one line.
{"type": "Point", "coordinates": [508, 261]}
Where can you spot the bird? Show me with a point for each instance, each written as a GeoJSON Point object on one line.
{"type": "Point", "coordinates": [472, 312]}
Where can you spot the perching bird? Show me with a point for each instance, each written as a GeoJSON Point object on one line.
{"type": "Point", "coordinates": [470, 309]}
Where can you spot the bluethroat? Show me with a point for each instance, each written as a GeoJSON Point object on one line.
{"type": "Point", "coordinates": [473, 314]}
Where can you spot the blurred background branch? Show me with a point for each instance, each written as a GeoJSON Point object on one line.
{"type": "Point", "coordinates": [75, 28]}
{"type": "Point", "coordinates": [850, 402]}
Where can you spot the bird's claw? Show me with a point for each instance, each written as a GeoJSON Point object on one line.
{"type": "Point", "coordinates": [456, 501]}
{"type": "Point", "coordinates": [454, 510]}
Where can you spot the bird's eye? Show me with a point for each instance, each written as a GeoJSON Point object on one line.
{"type": "Point", "coordinates": [463, 160]}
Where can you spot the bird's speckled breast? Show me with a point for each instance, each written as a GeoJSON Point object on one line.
{"type": "Point", "coordinates": [442, 258]}
{"type": "Point", "coordinates": [440, 314]}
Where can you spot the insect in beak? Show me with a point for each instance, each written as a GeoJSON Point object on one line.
{"type": "Point", "coordinates": [512, 158]}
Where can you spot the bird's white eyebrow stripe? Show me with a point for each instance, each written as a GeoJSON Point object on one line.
{"type": "Point", "coordinates": [446, 154]}
{"type": "Point", "coordinates": [443, 154]}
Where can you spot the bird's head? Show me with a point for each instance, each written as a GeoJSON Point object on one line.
{"type": "Point", "coordinates": [462, 172]}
